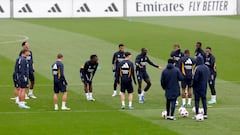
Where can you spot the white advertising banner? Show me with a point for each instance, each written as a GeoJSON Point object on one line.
{"type": "Point", "coordinates": [181, 7]}
{"type": "Point", "coordinates": [4, 8]}
{"type": "Point", "coordinates": [98, 8]}
{"type": "Point", "coordinates": [42, 8]}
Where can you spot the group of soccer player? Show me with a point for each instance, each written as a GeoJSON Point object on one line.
{"type": "Point", "coordinates": [194, 73]}
{"type": "Point", "coordinates": [123, 70]}
{"type": "Point", "coordinates": [124, 75]}
{"type": "Point", "coordinates": [23, 72]}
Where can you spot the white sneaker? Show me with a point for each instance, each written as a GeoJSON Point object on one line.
{"type": "Point", "coordinates": [65, 108]}
{"type": "Point", "coordinates": [26, 97]}
{"type": "Point", "coordinates": [23, 106]}
{"type": "Point", "coordinates": [32, 96]}
{"type": "Point", "coordinates": [212, 102]}
{"type": "Point", "coordinates": [114, 94]}
{"type": "Point", "coordinates": [56, 108]}
{"type": "Point", "coordinates": [91, 99]}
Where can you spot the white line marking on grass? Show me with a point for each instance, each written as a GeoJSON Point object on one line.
{"type": "Point", "coordinates": [103, 111]}
{"type": "Point", "coordinates": [23, 38]}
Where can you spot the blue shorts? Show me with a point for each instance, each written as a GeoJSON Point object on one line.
{"type": "Point", "coordinates": [126, 86]}
{"type": "Point", "coordinates": [84, 78]}
{"type": "Point", "coordinates": [142, 75]}
{"type": "Point", "coordinates": [15, 81]}
{"type": "Point", "coordinates": [187, 83]}
{"type": "Point", "coordinates": [23, 85]}
{"type": "Point", "coordinates": [60, 87]}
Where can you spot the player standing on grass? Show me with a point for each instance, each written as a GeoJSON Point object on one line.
{"type": "Point", "coordinates": [22, 77]}
{"type": "Point", "coordinates": [141, 62]}
{"type": "Point", "coordinates": [117, 58]}
{"type": "Point", "coordinates": [199, 51]}
{"type": "Point", "coordinates": [87, 72]}
{"type": "Point", "coordinates": [169, 82]}
{"type": "Point", "coordinates": [186, 64]}
{"type": "Point", "coordinates": [16, 81]}
{"type": "Point", "coordinates": [30, 94]}
{"type": "Point", "coordinates": [176, 54]}
{"type": "Point", "coordinates": [125, 72]}
{"type": "Point", "coordinates": [211, 63]}
{"type": "Point", "coordinates": [60, 83]}
{"type": "Point", "coordinates": [200, 81]}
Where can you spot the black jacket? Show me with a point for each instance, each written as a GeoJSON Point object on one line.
{"type": "Point", "coordinates": [170, 81]}
{"type": "Point", "coordinates": [200, 78]}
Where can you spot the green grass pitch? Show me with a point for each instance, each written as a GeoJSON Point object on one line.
{"type": "Point", "coordinates": [77, 39]}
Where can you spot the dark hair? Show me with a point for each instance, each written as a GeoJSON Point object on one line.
{"type": "Point", "coordinates": [186, 52]}
{"type": "Point", "coordinates": [171, 61]}
{"type": "Point", "coordinates": [59, 56]}
{"type": "Point", "coordinates": [23, 43]}
{"type": "Point", "coordinates": [176, 45]}
{"type": "Point", "coordinates": [209, 48]}
{"type": "Point", "coordinates": [24, 50]}
{"type": "Point", "coordinates": [120, 45]}
{"type": "Point", "coordinates": [127, 54]}
{"type": "Point", "coordinates": [199, 43]}
{"type": "Point", "coordinates": [93, 56]}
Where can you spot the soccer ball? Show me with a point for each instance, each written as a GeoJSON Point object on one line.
{"type": "Point", "coordinates": [164, 114]}
{"type": "Point", "coordinates": [181, 109]}
{"type": "Point", "coordinates": [184, 113]}
{"type": "Point", "coordinates": [199, 117]}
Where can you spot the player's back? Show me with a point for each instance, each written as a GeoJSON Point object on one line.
{"type": "Point", "coordinates": [187, 63]}
{"type": "Point", "coordinates": [57, 71]}
{"type": "Point", "coordinates": [126, 68]}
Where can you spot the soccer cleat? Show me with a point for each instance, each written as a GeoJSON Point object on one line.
{"type": "Point", "coordinates": [212, 102]}
{"type": "Point", "coordinates": [171, 118]}
{"type": "Point", "coordinates": [142, 98]}
{"type": "Point", "coordinates": [56, 108]}
{"type": "Point", "coordinates": [64, 108]}
{"type": "Point", "coordinates": [23, 106]}
{"type": "Point", "coordinates": [32, 96]}
{"type": "Point", "coordinates": [184, 105]}
{"type": "Point", "coordinates": [26, 97]}
{"type": "Point", "coordinates": [205, 116]}
{"type": "Point", "coordinates": [91, 99]}
{"type": "Point", "coordinates": [123, 107]}
{"type": "Point", "coordinates": [114, 94]}
{"type": "Point", "coordinates": [140, 101]}
{"type": "Point", "coordinates": [130, 108]}
{"type": "Point", "coordinates": [189, 105]}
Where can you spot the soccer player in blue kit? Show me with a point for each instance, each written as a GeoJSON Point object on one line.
{"type": "Point", "coordinates": [124, 75]}
{"type": "Point", "coordinates": [87, 72]}
{"type": "Point", "coordinates": [141, 62]}
{"type": "Point", "coordinates": [117, 58]}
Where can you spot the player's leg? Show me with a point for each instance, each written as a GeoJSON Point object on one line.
{"type": "Point", "coordinates": [148, 82]}
{"type": "Point", "coordinates": [184, 85]}
{"type": "Point", "coordinates": [122, 89]}
{"type": "Point", "coordinates": [85, 87]}
{"type": "Point", "coordinates": [168, 107]}
{"type": "Point", "coordinates": [212, 88]}
{"type": "Point", "coordinates": [189, 96]}
{"type": "Point", "coordinates": [32, 82]}
{"type": "Point", "coordinates": [204, 103]}
{"type": "Point", "coordinates": [63, 89]}
{"type": "Point", "coordinates": [115, 86]}
{"type": "Point", "coordinates": [130, 96]}
{"type": "Point", "coordinates": [173, 105]}
{"type": "Point", "coordinates": [139, 79]}
{"type": "Point", "coordinates": [23, 87]}
{"type": "Point", "coordinates": [90, 91]}
{"type": "Point", "coordinates": [196, 99]}
{"type": "Point", "coordinates": [56, 89]}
